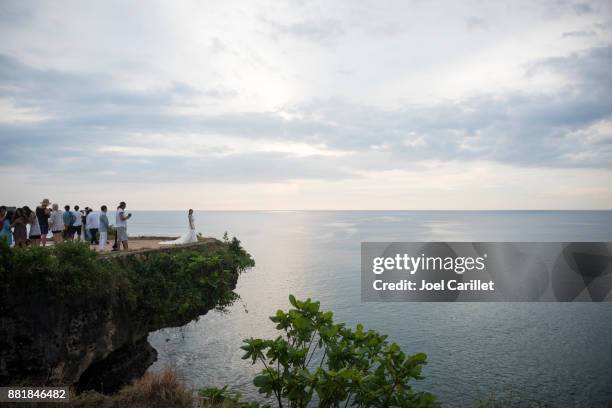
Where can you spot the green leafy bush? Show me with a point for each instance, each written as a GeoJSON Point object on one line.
{"type": "Point", "coordinates": [63, 271]}
{"type": "Point", "coordinates": [317, 361]}
{"type": "Point", "coordinates": [222, 398]}
{"type": "Point", "coordinates": [157, 289]}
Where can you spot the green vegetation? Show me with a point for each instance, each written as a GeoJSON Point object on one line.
{"type": "Point", "coordinates": [318, 361]}
{"type": "Point", "coordinates": [157, 289]}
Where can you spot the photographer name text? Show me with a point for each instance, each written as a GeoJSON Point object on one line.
{"type": "Point", "coordinates": [426, 286]}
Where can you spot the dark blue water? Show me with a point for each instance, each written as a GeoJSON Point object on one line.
{"type": "Point", "coordinates": [559, 353]}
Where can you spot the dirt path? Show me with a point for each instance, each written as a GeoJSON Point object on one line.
{"type": "Point", "coordinates": [140, 244]}
{"type": "Point", "coordinates": [137, 244]}
{"type": "Point", "coordinates": [147, 244]}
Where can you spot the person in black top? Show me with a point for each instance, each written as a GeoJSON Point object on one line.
{"type": "Point", "coordinates": [43, 213]}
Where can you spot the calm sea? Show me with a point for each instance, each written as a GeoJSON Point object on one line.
{"type": "Point", "coordinates": [555, 352]}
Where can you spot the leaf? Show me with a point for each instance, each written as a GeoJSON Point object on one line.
{"type": "Point", "coordinates": [262, 380]}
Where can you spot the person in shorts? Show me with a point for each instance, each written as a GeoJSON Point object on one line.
{"type": "Point", "coordinates": [56, 223]}
{"type": "Point", "coordinates": [121, 224]}
{"type": "Point", "coordinates": [42, 215]}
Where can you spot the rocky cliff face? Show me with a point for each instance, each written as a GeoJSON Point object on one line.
{"type": "Point", "coordinates": [100, 342]}
{"type": "Point", "coordinates": [56, 344]}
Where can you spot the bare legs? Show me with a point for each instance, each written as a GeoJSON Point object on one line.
{"type": "Point", "coordinates": [58, 236]}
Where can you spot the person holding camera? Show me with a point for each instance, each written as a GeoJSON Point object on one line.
{"type": "Point", "coordinates": [121, 224]}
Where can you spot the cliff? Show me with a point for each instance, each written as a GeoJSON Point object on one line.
{"type": "Point", "coordinates": [69, 316]}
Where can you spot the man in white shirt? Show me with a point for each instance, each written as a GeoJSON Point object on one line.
{"type": "Point", "coordinates": [92, 223]}
{"type": "Point", "coordinates": [121, 224]}
{"type": "Point", "coordinates": [77, 225]}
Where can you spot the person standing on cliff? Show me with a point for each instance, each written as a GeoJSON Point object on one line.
{"type": "Point", "coordinates": [78, 223]}
{"type": "Point", "coordinates": [20, 232]}
{"type": "Point", "coordinates": [34, 226]}
{"type": "Point", "coordinates": [121, 223]}
{"type": "Point", "coordinates": [92, 223]}
{"type": "Point", "coordinates": [68, 222]}
{"type": "Point", "coordinates": [42, 214]}
{"type": "Point", "coordinates": [5, 228]}
{"type": "Point", "coordinates": [56, 222]}
{"type": "Point", "coordinates": [103, 228]}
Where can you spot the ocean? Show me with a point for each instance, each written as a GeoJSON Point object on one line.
{"type": "Point", "coordinates": [560, 353]}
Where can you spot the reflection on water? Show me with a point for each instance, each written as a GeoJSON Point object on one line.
{"type": "Point", "coordinates": [561, 353]}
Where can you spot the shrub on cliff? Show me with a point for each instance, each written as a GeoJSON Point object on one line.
{"type": "Point", "coordinates": [62, 271]}
{"type": "Point", "coordinates": [174, 287]}
{"type": "Point", "coordinates": [315, 360]}
{"type": "Point", "coordinates": [157, 289]}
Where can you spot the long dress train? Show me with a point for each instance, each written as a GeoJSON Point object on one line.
{"type": "Point", "coordinates": [187, 238]}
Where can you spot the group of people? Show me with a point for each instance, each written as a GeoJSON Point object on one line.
{"type": "Point", "coordinates": [85, 224]}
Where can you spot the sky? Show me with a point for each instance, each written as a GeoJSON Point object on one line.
{"type": "Point", "coordinates": [307, 104]}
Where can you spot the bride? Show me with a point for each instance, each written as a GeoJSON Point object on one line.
{"type": "Point", "coordinates": [187, 238]}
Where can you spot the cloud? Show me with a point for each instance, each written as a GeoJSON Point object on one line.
{"type": "Point", "coordinates": [579, 33]}
{"type": "Point", "coordinates": [230, 97]}
{"type": "Point", "coordinates": [323, 31]}
{"type": "Point", "coordinates": [61, 91]}
{"type": "Point", "coordinates": [589, 68]}
{"type": "Point", "coordinates": [321, 139]}
{"type": "Point", "coordinates": [473, 22]}
{"type": "Point", "coordinates": [582, 8]}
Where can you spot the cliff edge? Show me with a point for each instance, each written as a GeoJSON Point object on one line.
{"type": "Point", "coordinates": [72, 317]}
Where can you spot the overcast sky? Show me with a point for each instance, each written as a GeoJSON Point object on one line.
{"type": "Point", "coordinates": [307, 104]}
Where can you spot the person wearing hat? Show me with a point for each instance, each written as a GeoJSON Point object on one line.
{"type": "Point", "coordinates": [42, 214]}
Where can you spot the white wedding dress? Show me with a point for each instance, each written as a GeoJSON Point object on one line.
{"type": "Point", "coordinates": [187, 238]}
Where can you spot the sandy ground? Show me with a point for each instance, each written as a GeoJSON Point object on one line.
{"type": "Point", "coordinates": [139, 243]}
{"type": "Point", "coordinates": [136, 244]}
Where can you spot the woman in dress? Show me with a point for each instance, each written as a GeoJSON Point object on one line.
{"type": "Point", "coordinates": [56, 222]}
{"type": "Point", "coordinates": [189, 237]}
{"type": "Point", "coordinates": [42, 214]}
{"type": "Point", "coordinates": [20, 232]}
{"type": "Point", "coordinates": [34, 226]}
